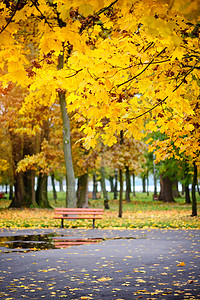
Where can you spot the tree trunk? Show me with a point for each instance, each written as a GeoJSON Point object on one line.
{"type": "Point", "coordinates": [187, 195]}
{"type": "Point", "coordinates": [61, 185]}
{"type": "Point", "coordinates": [54, 188]}
{"type": "Point", "coordinates": [121, 180]}
{"type": "Point", "coordinates": [70, 178]}
{"type": "Point", "coordinates": [144, 184]}
{"type": "Point", "coordinates": [41, 192]}
{"type": "Point", "coordinates": [94, 190]}
{"type": "Point", "coordinates": [18, 200]}
{"type": "Point", "coordinates": [183, 190]}
{"type": "Point", "coordinates": [111, 179]}
{"type": "Point", "coordinates": [29, 187]}
{"type": "Point", "coordinates": [176, 193]}
{"type": "Point", "coordinates": [115, 185]}
{"type": "Point", "coordinates": [24, 195]}
{"type": "Point", "coordinates": [154, 179]}
{"type": "Point", "coordinates": [165, 189]}
{"type": "Point", "coordinates": [11, 192]}
{"type": "Point", "coordinates": [194, 183]}
{"type": "Point", "coordinates": [120, 193]}
{"type": "Point", "coordinates": [103, 188]}
{"type": "Point", "coordinates": [82, 192]}
{"type": "Point", "coordinates": [147, 183]}
{"type": "Point", "coordinates": [128, 185]}
{"type": "Point", "coordinates": [133, 176]}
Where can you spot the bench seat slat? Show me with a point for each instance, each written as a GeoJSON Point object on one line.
{"type": "Point", "coordinates": [71, 218]}
{"type": "Point", "coordinates": [78, 210]}
{"type": "Point", "coordinates": [77, 213]}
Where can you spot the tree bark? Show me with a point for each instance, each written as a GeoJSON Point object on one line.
{"type": "Point", "coordinates": [70, 178]}
{"type": "Point", "coordinates": [11, 192]}
{"type": "Point", "coordinates": [29, 186]}
{"type": "Point", "coordinates": [133, 176]}
{"type": "Point", "coordinates": [187, 195]}
{"type": "Point", "coordinates": [194, 183]}
{"type": "Point", "coordinates": [165, 189]}
{"type": "Point", "coordinates": [183, 190]}
{"type": "Point", "coordinates": [176, 192]}
{"type": "Point", "coordinates": [115, 185]}
{"type": "Point", "coordinates": [144, 183]}
{"type": "Point", "coordinates": [41, 192]}
{"type": "Point", "coordinates": [94, 190]}
{"type": "Point", "coordinates": [24, 194]}
{"type": "Point", "coordinates": [120, 193]}
{"type": "Point", "coordinates": [103, 188]}
{"type": "Point", "coordinates": [128, 185]}
{"type": "Point", "coordinates": [111, 179]}
{"type": "Point", "coordinates": [121, 180]}
{"type": "Point", "coordinates": [82, 192]}
{"type": "Point", "coordinates": [154, 179]}
{"type": "Point", "coordinates": [147, 176]}
{"type": "Point", "coordinates": [61, 185]}
{"type": "Point", "coordinates": [54, 188]}
{"type": "Point", "coordinates": [18, 199]}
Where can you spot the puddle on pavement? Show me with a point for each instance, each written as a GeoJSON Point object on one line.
{"type": "Point", "coordinates": [27, 243]}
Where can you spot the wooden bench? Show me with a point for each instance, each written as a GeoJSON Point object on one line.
{"type": "Point", "coordinates": [78, 213]}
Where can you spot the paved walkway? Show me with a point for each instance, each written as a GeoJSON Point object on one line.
{"type": "Point", "coordinates": [126, 264]}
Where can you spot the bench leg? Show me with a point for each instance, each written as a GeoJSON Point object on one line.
{"type": "Point", "coordinates": [93, 225]}
{"type": "Point", "coordinates": [62, 223]}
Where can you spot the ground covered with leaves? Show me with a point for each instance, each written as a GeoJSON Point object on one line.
{"type": "Point", "coordinates": [146, 264]}
{"type": "Point", "coordinates": [141, 212]}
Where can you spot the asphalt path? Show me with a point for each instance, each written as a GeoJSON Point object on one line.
{"type": "Point", "coordinates": [124, 264]}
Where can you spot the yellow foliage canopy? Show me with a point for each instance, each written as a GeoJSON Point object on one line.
{"type": "Point", "coordinates": [129, 65]}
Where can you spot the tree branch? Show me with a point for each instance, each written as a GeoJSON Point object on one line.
{"type": "Point", "coordinates": [106, 8]}
{"type": "Point", "coordinates": [127, 81]}
{"type": "Point", "coordinates": [162, 101]}
{"type": "Point", "coordinates": [183, 80]}
{"type": "Point", "coordinates": [149, 110]}
{"type": "Point", "coordinates": [36, 6]}
{"type": "Point", "coordinates": [12, 16]}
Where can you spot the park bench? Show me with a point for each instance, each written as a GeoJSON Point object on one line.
{"type": "Point", "coordinates": [78, 213]}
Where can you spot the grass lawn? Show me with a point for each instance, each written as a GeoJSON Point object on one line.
{"type": "Point", "coordinates": [141, 212]}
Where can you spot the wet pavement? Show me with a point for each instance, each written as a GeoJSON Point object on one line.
{"type": "Point", "coordinates": [99, 264]}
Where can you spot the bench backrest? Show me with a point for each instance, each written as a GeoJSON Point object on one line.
{"type": "Point", "coordinates": [78, 211]}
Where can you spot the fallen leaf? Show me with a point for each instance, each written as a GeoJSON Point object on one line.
{"type": "Point", "coordinates": [181, 264]}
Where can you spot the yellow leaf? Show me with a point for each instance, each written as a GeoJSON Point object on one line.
{"type": "Point", "coordinates": [181, 264]}
{"type": "Point", "coordinates": [104, 279]}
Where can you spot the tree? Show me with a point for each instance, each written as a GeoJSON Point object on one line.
{"type": "Point", "coordinates": [194, 183]}
{"type": "Point", "coordinates": [108, 52]}
{"type": "Point", "coordinates": [166, 194]}
{"type": "Point", "coordinates": [48, 155]}
{"type": "Point", "coordinates": [18, 145]}
{"type": "Point", "coordinates": [85, 162]}
{"type": "Point", "coordinates": [127, 153]}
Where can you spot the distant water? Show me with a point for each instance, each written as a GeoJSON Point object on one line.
{"type": "Point", "coordinates": [138, 185]}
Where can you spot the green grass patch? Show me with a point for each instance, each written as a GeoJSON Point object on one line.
{"type": "Point", "coordinates": [141, 212]}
